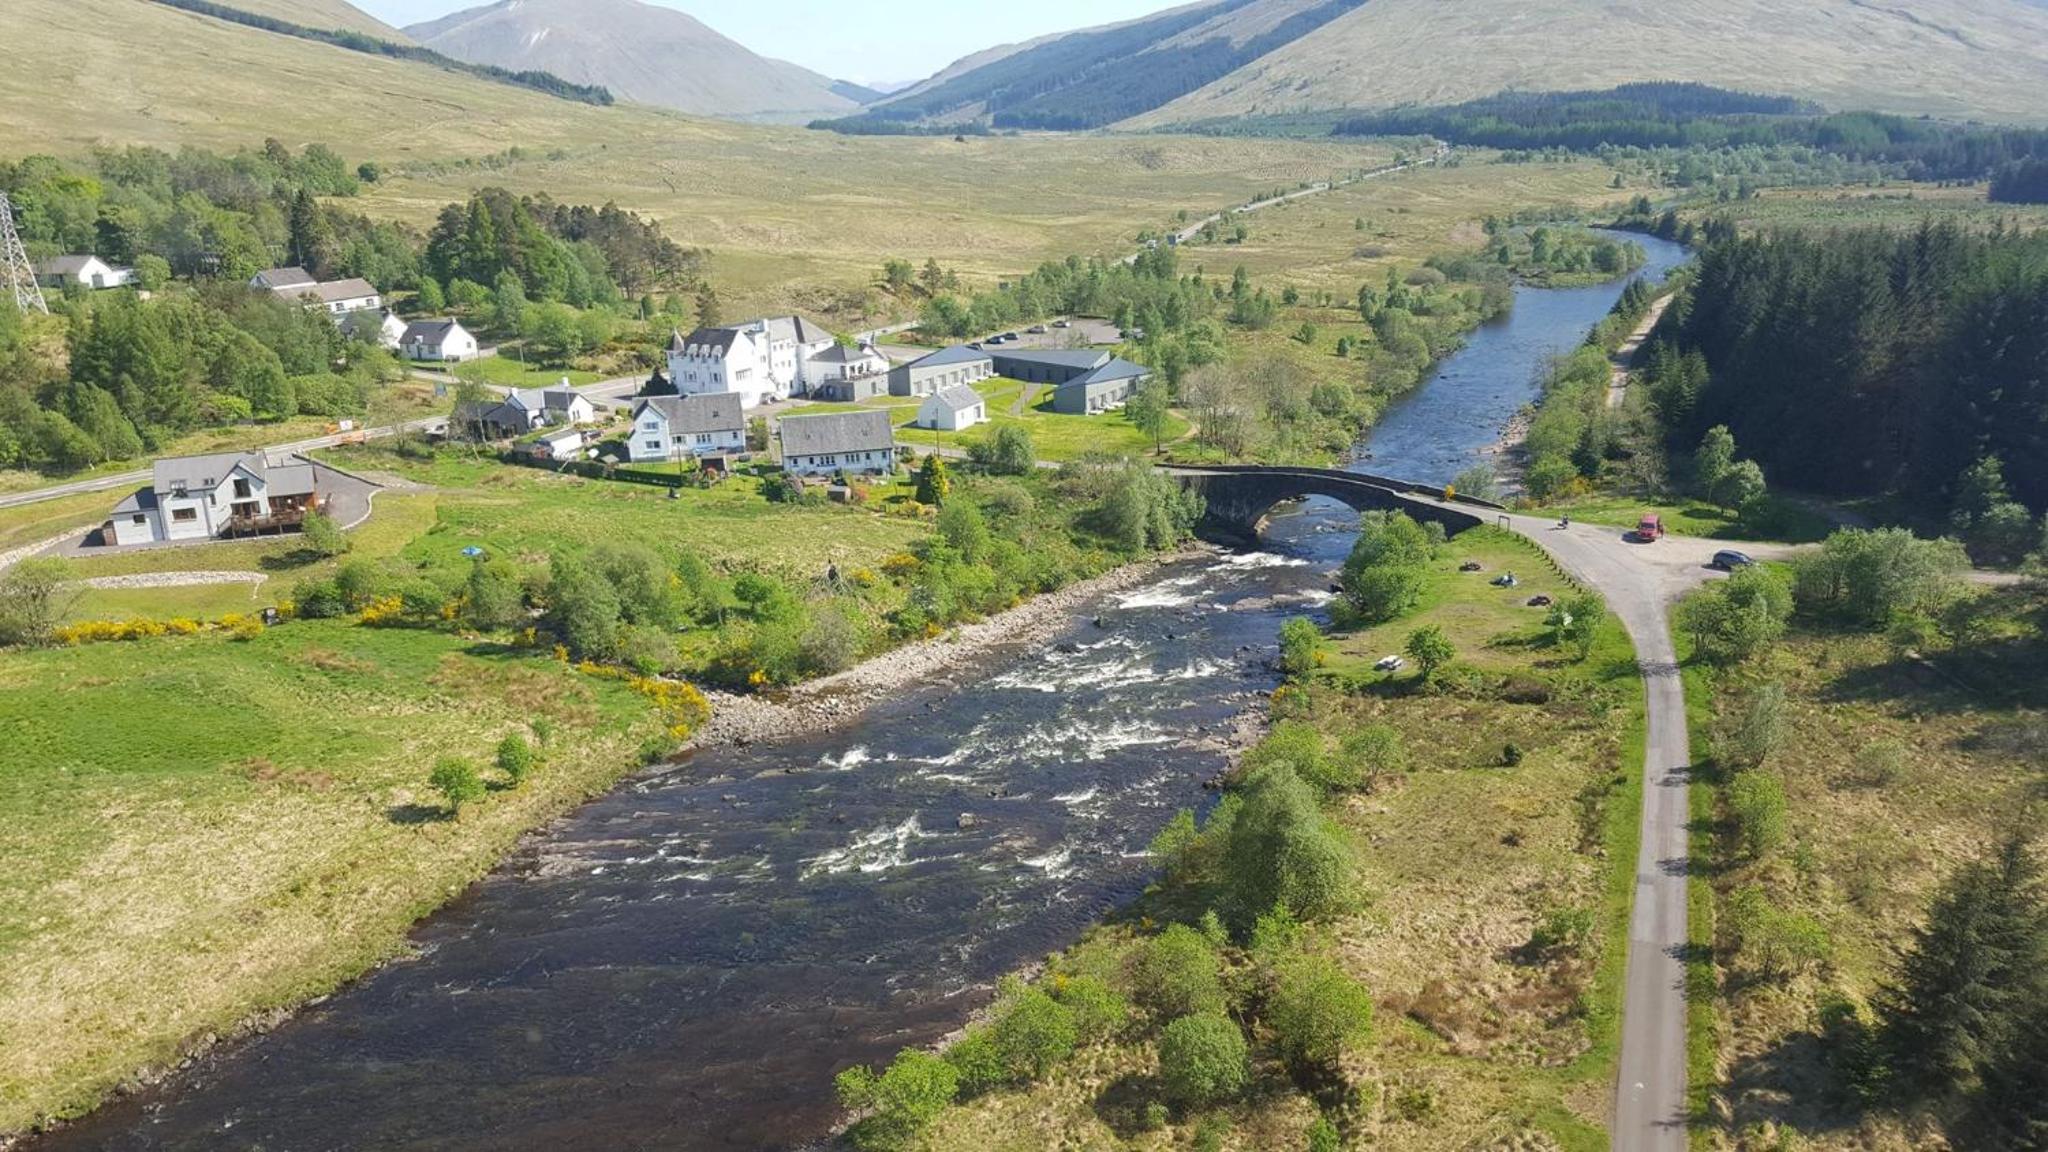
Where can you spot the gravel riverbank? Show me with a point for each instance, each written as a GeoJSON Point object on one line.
{"type": "Point", "coordinates": [821, 705]}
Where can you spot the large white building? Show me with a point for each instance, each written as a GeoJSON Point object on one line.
{"type": "Point", "coordinates": [761, 361]}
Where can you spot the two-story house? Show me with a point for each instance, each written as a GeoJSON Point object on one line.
{"type": "Point", "coordinates": [229, 493]}
{"type": "Point", "coordinates": [853, 442]}
{"type": "Point", "coordinates": [761, 361]}
{"type": "Point", "coordinates": [672, 427]}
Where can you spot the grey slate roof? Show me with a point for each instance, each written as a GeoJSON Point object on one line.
{"type": "Point", "coordinates": [1057, 358]}
{"type": "Point", "coordinates": [796, 329]}
{"type": "Point", "coordinates": [288, 480]}
{"type": "Point", "coordinates": [1116, 369]}
{"type": "Point", "coordinates": [278, 279]}
{"type": "Point", "coordinates": [427, 331]}
{"type": "Point", "coordinates": [67, 265]}
{"type": "Point", "coordinates": [841, 354]}
{"type": "Point", "coordinates": [140, 500]}
{"type": "Point", "coordinates": [333, 291]}
{"type": "Point", "coordinates": [688, 415]}
{"type": "Point", "coordinates": [957, 397]}
{"type": "Point", "coordinates": [201, 472]}
{"type": "Point", "coordinates": [837, 433]}
{"type": "Point", "coordinates": [719, 338]}
{"type": "Point", "coordinates": [946, 357]}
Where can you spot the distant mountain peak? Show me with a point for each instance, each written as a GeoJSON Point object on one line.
{"type": "Point", "coordinates": [642, 52]}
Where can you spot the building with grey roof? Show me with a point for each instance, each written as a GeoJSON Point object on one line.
{"type": "Point", "coordinates": [952, 409]}
{"type": "Point", "coordinates": [222, 494]}
{"type": "Point", "coordinates": [1109, 386]}
{"type": "Point", "coordinates": [945, 368]}
{"type": "Point", "coordinates": [89, 272]}
{"type": "Point", "coordinates": [855, 442]}
{"type": "Point", "coordinates": [671, 427]}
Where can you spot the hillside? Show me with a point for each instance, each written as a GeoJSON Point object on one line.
{"type": "Point", "coordinates": [333, 15]}
{"type": "Point", "coordinates": [1096, 76]}
{"type": "Point", "coordinates": [641, 52]}
{"type": "Point", "coordinates": [1983, 59]}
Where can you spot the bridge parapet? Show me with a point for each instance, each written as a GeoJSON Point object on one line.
{"type": "Point", "coordinates": [1240, 496]}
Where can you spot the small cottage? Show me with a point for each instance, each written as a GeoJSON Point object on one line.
{"type": "Point", "coordinates": [952, 409]}
{"type": "Point", "coordinates": [853, 442]}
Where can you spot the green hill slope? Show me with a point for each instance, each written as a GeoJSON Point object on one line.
{"type": "Point", "coordinates": [1983, 59]}
{"type": "Point", "coordinates": [334, 15]}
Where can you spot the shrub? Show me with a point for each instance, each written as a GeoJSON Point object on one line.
{"type": "Point", "coordinates": [319, 600]}
{"type": "Point", "coordinates": [1324, 1137]}
{"type": "Point", "coordinates": [1379, 595]}
{"type": "Point", "coordinates": [1868, 577]}
{"type": "Point", "coordinates": [1005, 451]}
{"type": "Point", "coordinates": [34, 596]}
{"type": "Point", "coordinates": [1431, 650]}
{"type": "Point", "coordinates": [1756, 799]}
{"type": "Point", "coordinates": [1179, 974]}
{"type": "Point", "coordinates": [1301, 646]}
{"type": "Point", "coordinates": [1374, 751]}
{"type": "Point", "coordinates": [898, 1104]}
{"type": "Point", "coordinates": [583, 609]}
{"type": "Point", "coordinates": [1738, 618]}
{"type": "Point", "coordinates": [457, 781]}
{"type": "Point", "coordinates": [516, 757]}
{"type": "Point", "coordinates": [1202, 1059]}
{"type": "Point", "coordinates": [1279, 849]}
{"type": "Point", "coordinates": [1031, 1033]}
{"type": "Point", "coordinates": [1317, 1013]}
{"type": "Point", "coordinates": [493, 597]}
{"type": "Point", "coordinates": [1100, 1011]}
{"type": "Point", "coordinates": [321, 535]}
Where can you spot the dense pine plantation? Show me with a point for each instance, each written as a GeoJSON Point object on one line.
{"type": "Point", "coordinates": [1868, 363]}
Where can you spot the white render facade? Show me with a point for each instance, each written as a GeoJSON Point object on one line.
{"type": "Point", "coordinates": [952, 409]}
{"type": "Point", "coordinates": [201, 497]}
{"type": "Point", "coordinates": [672, 427]}
{"type": "Point", "coordinates": [761, 361]}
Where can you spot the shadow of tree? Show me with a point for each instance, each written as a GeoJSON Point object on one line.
{"type": "Point", "coordinates": [1123, 1105]}
{"type": "Point", "coordinates": [289, 561]}
{"type": "Point", "coordinates": [1792, 1083]}
{"type": "Point", "coordinates": [2011, 671]}
{"type": "Point", "coordinates": [417, 814]}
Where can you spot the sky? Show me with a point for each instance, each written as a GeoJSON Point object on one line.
{"type": "Point", "coordinates": [867, 41]}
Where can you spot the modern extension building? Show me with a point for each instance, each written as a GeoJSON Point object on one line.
{"type": "Point", "coordinates": [1085, 382]}
{"type": "Point", "coordinates": [225, 494]}
{"type": "Point", "coordinates": [945, 368]}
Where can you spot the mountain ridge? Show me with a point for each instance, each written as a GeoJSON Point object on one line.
{"type": "Point", "coordinates": [642, 52]}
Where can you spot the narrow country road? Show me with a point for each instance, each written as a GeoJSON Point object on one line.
{"type": "Point", "coordinates": [1625, 356]}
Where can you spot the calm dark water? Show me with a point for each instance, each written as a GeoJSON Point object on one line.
{"type": "Point", "coordinates": [1444, 426]}
{"type": "Point", "coordinates": [685, 963]}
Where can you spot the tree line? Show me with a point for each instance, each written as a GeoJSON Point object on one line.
{"type": "Point", "coordinates": [1866, 362]}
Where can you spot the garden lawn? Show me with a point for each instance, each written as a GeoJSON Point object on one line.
{"type": "Point", "coordinates": [508, 370]}
{"type": "Point", "coordinates": [197, 830]}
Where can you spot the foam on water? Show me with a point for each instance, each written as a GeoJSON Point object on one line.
{"type": "Point", "coordinates": [850, 759]}
{"type": "Point", "coordinates": [1255, 560]}
{"type": "Point", "coordinates": [877, 851]}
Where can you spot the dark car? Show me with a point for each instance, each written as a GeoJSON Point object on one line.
{"type": "Point", "coordinates": [1728, 560]}
{"type": "Point", "coordinates": [1036, 329]}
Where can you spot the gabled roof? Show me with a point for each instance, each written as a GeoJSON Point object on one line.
{"type": "Point", "coordinates": [837, 433]}
{"type": "Point", "coordinates": [841, 354]}
{"type": "Point", "coordinates": [335, 291]}
{"type": "Point", "coordinates": [945, 357]}
{"type": "Point", "coordinates": [687, 415]}
{"type": "Point", "coordinates": [1084, 358]}
{"type": "Point", "coordinates": [70, 265]}
{"type": "Point", "coordinates": [796, 329]}
{"type": "Point", "coordinates": [1116, 369]}
{"type": "Point", "coordinates": [279, 279]}
{"type": "Point", "coordinates": [295, 479]}
{"type": "Point", "coordinates": [720, 338]}
{"type": "Point", "coordinates": [429, 331]}
{"type": "Point", "coordinates": [957, 397]}
{"type": "Point", "coordinates": [202, 472]}
{"type": "Point", "coordinates": [140, 500]}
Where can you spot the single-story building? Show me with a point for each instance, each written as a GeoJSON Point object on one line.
{"type": "Point", "coordinates": [290, 281]}
{"type": "Point", "coordinates": [942, 369]}
{"type": "Point", "coordinates": [224, 494]}
{"type": "Point", "coordinates": [340, 297]}
{"type": "Point", "coordinates": [849, 375]}
{"type": "Point", "coordinates": [1048, 365]}
{"type": "Point", "coordinates": [1108, 387]}
{"type": "Point", "coordinates": [525, 410]}
{"type": "Point", "coordinates": [857, 442]}
{"type": "Point", "coordinates": [671, 427]}
{"type": "Point", "coordinates": [952, 409]}
{"type": "Point", "coordinates": [382, 328]}
{"type": "Point", "coordinates": [444, 340]}
{"type": "Point", "coordinates": [564, 444]}
{"type": "Point", "coordinates": [84, 271]}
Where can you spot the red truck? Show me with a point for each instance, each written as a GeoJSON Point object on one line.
{"type": "Point", "coordinates": [1650, 528]}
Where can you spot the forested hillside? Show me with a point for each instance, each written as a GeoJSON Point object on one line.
{"type": "Point", "coordinates": [1099, 76]}
{"type": "Point", "coordinates": [1867, 363]}
{"type": "Point", "coordinates": [112, 374]}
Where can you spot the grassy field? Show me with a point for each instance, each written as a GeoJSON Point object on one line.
{"type": "Point", "coordinates": [1476, 1044]}
{"type": "Point", "coordinates": [1789, 522]}
{"type": "Point", "coordinates": [1869, 837]}
{"type": "Point", "coordinates": [1055, 435]}
{"type": "Point", "coordinates": [511, 372]}
{"type": "Point", "coordinates": [1899, 205]}
{"type": "Point", "coordinates": [201, 830]}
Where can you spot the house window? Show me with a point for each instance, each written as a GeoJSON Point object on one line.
{"type": "Point", "coordinates": [654, 445]}
{"type": "Point", "coordinates": [651, 425]}
{"type": "Point", "coordinates": [184, 515]}
{"type": "Point", "coordinates": [242, 490]}
{"type": "Point", "coordinates": [139, 518]}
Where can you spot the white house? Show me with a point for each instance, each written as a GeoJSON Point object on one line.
{"type": "Point", "coordinates": [849, 375]}
{"type": "Point", "coordinates": [444, 340]}
{"type": "Point", "coordinates": [566, 444]}
{"type": "Point", "coordinates": [84, 271]}
{"type": "Point", "coordinates": [385, 328]}
{"type": "Point", "coordinates": [761, 360]}
{"type": "Point", "coordinates": [201, 497]}
{"type": "Point", "coordinates": [671, 427]}
{"type": "Point", "coordinates": [552, 407]}
{"type": "Point", "coordinates": [855, 442]}
{"type": "Point", "coordinates": [334, 297]}
{"type": "Point", "coordinates": [952, 409]}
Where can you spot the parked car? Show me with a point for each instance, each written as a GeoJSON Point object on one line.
{"type": "Point", "coordinates": [1063, 323]}
{"type": "Point", "coordinates": [1036, 329]}
{"type": "Point", "coordinates": [1650, 527]}
{"type": "Point", "coordinates": [1728, 560]}
{"type": "Point", "coordinates": [1007, 336]}
{"type": "Point", "coordinates": [1390, 664]}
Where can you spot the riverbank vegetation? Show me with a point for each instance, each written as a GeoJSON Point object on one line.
{"type": "Point", "coordinates": [303, 792]}
{"type": "Point", "coordinates": [1870, 752]}
{"type": "Point", "coordinates": [1287, 983]}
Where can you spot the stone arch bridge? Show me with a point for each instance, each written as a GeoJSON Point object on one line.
{"type": "Point", "coordinates": [1241, 496]}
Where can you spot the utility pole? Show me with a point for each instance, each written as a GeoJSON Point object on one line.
{"type": "Point", "coordinates": [20, 274]}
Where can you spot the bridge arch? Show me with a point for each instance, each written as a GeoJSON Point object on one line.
{"type": "Point", "coordinates": [1239, 497]}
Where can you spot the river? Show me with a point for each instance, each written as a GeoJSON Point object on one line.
{"type": "Point", "coordinates": [684, 963]}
